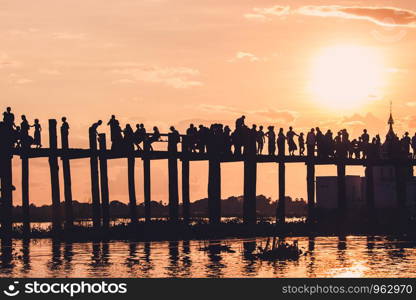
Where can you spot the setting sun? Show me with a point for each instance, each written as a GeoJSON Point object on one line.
{"type": "Point", "coordinates": [346, 77]}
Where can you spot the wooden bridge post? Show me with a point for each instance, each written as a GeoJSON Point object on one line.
{"type": "Point", "coordinates": [6, 193]}
{"type": "Point", "coordinates": [310, 181]}
{"type": "Point", "coordinates": [105, 199]}
{"type": "Point", "coordinates": [342, 197]}
{"type": "Point", "coordinates": [69, 214]}
{"type": "Point", "coordinates": [185, 180]}
{"type": "Point", "coordinates": [250, 181]}
{"type": "Point", "coordinates": [369, 190]}
{"type": "Point", "coordinates": [25, 195]}
{"type": "Point", "coordinates": [146, 182]}
{"type": "Point", "coordinates": [95, 189]}
{"type": "Point", "coordinates": [132, 189]}
{"type": "Point", "coordinates": [173, 179]}
{"type": "Point", "coordinates": [214, 190]}
{"type": "Point", "coordinates": [54, 171]}
{"type": "Point", "coordinates": [281, 205]}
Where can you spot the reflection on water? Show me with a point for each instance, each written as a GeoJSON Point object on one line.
{"type": "Point", "coordinates": [343, 256]}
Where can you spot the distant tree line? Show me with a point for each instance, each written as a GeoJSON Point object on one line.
{"type": "Point", "coordinates": [230, 207]}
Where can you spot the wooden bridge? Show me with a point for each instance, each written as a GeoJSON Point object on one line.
{"type": "Point", "coordinates": [98, 154]}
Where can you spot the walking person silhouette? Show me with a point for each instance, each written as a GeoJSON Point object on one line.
{"type": "Point", "coordinates": [37, 134]}
{"type": "Point", "coordinates": [311, 142]}
{"type": "Point", "coordinates": [64, 133]}
{"type": "Point", "coordinates": [271, 140]}
{"type": "Point", "coordinates": [290, 140]}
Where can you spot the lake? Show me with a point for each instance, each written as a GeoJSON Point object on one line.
{"type": "Point", "coordinates": [351, 256]}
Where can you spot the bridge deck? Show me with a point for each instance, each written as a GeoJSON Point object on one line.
{"type": "Point", "coordinates": [74, 153]}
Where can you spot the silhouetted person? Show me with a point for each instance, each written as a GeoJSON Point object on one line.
{"type": "Point", "coordinates": [354, 149]}
{"type": "Point", "coordinates": [94, 127]}
{"type": "Point", "coordinates": [365, 140]}
{"type": "Point", "coordinates": [175, 138]}
{"type": "Point", "coordinates": [154, 137]}
{"type": "Point", "coordinates": [37, 135]}
{"type": "Point", "coordinates": [414, 146]}
{"type": "Point", "coordinates": [320, 142]}
{"type": "Point", "coordinates": [406, 141]}
{"type": "Point", "coordinates": [227, 140]}
{"type": "Point", "coordinates": [290, 141]}
{"type": "Point", "coordinates": [25, 139]}
{"type": "Point", "coordinates": [260, 140]}
{"type": "Point", "coordinates": [240, 122]}
{"type": "Point", "coordinates": [301, 142]}
{"type": "Point", "coordinates": [139, 135]}
{"type": "Point", "coordinates": [128, 139]}
{"type": "Point", "coordinates": [311, 142]}
{"type": "Point", "coordinates": [328, 144]}
{"type": "Point", "coordinates": [191, 134]}
{"type": "Point", "coordinates": [117, 136]}
{"type": "Point", "coordinates": [15, 135]}
{"type": "Point", "coordinates": [341, 146]}
{"type": "Point", "coordinates": [65, 132]}
{"type": "Point", "coordinates": [112, 123]}
{"type": "Point", "coordinates": [271, 140]}
{"type": "Point", "coordinates": [7, 139]}
{"type": "Point", "coordinates": [252, 140]}
{"type": "Point", "coordinates": [281, 142]}
{"type": "Point", "coordinates": [8, 118]}
{"type": "Point", "coordinates": [202, 138]}
{"type": "Point", "coordinates": [237, 141]}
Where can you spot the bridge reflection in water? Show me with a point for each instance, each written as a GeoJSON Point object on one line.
{"type": "Point", "coordinates": [351, 256]}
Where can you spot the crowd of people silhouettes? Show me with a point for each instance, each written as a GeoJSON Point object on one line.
{"type": "Point", "coordinates": [222, 140]}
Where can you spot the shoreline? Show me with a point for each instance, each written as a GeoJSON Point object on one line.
{"type": "Point", "coordinates": [165, 231]}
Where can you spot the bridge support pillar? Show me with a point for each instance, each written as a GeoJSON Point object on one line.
{"type": "Point", "coordinates": [69, 214]}
{"type": "Point", "coordinates": [310, 182]}
{"type": "Point", "coordinates": [25, 195]}
{"type": "Point", "coordinates": [250, 180]}
{"type": "Point", "coordinates": [214, 191]}
{"type": "Point", "coordinates": [146, 183]}
{"type": "Point", "coordinates": [342, 197]}
{"type": "Point", "coordinates": [105, 199]}
{"type": "Point", "coordinates": [185, 181]}
{"type": "Point", "coordinates": [95, 189]}
{"type": "Point", "coordinates": [132, 189]}
{"type": "Point", "coordinates": [54, 171]}
{"type": "Point", "coordinates": [281, 205]}
{"type": "Point", "coordinates": [173, 180]}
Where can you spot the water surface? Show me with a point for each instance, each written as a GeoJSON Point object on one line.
{"type": "Point", "coordinates": [351, 256]}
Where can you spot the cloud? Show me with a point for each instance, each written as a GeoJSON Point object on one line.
{"type": "Point", "coordinates": [411, 104]}
{"type": "Point", "coordinates": [277, 10]}
{"type": "Point", "coordinates": [384, 16]}
{"type": "Point", "coordinates": [7, 62]}
{"type": "Point", "coordinates": [179, 78]}
{"type": "Point", "coordinates": [15, 79]}
{"type": "Point", "coordinates": [278, 115]}
{"type": "Point", "coordinates": [256, 17]}
{"type": "Point", "coordinates": [219, 108]}
{"type": "Point", "coordinates": [245, 56]}
{"type": "Point", "coordinates": [262, 14]}
{"type": "Point", "coordinates": [380, 15]}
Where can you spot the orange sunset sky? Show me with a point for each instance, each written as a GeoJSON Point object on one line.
{"type": "Point", "coordinates": [333, 64]}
